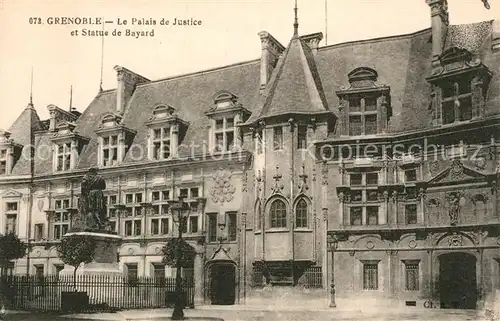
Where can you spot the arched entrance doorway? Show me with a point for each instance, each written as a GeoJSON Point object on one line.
{"type": "Point", "coordinates": [222, 276]}
{"type": "Point", "coordinates": [457, 281]}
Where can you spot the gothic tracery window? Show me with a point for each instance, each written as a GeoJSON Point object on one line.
{"type": "Point", "coordinates": [278, 214]}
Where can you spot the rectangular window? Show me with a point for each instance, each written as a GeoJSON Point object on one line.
{"type": "Point", "coordinates": [355, 125]}
{"type": "Point", "coordinates": [137, 227]}
{"type": "Point", "coordinates": [456, 101]}
{"type": "Point", "coordinates": [372, 195]}
{"type": "Point", "coordinates": [39, 270]}
{"type": "Point", "coordinates": [138, 198]}
{"type": "Point", "coordinates": [165, 195]}
{"type": "Point", "coordinates": [371, 179]}
{"type": "Point", "coordinates": [155, 196]}
{"type": "Point", "coordinates": [109, 150]}
{"type": "Point", "coordinates": [39, 231]}
{"type": "Point", "coordinates": [3, 161]}
{"type": "Point", "coordinates": [411, 213]}
{"type": "Point", "coordinates": [354, 104]}
{"type": "Point", "coordinates": [193, 224]}
{"type": "Point", "coordinates": [370, 276]}
{"type": "Point", "coordinates": [410, 175]}
{"type": "Point", "coordinates": [372, 215]}
{"type": "Point", "coordinates": [356, 196]}
{"type": "Point", "coordinates": [212, 227]}
{"type": "Point", "coordinates": [128, 228]}
{"type": "Point", "coordinates": [184, 193]}
{"type": "Point", "coordinates": [231, 227]}
{"type": "Point", "coordinates": [194, 191]}
{"type": "Point", "coordinates": [63, 157]}
{"type": "Point", "coordinates": [62, 220]}
{"type": "Point", "coordinates": [159, 272]}
{"type": "Point", "coordinates": [356, 215]}
{"type": "Point", "coordinates": [302, 137]}
{"type": "Point", "coordinates": [411, 276]}
{"type": "Point", "coordinates": [155, 226]}
{"type": "Point", "coordinates": [11, 212]}
{"type": "Point", "coordinates": [132, 273]}
{"type": "Point", "coordinates": [278, 138]}
{"type": "Point", "coordinates": [224, 134]}
{"type": "Point", "coordinates": [370, 124]}
{"type": "Point", "coordinates": [356, 179]}
{"type": "Point", "coordinates": [164, 226]}
{"type": "Point", "coordinates": [129, 198]}
{"type": "Point", "coordinates": [161, 143]}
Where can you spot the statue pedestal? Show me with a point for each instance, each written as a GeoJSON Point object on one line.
{"type": "Point", "coordinates": [102, 279]}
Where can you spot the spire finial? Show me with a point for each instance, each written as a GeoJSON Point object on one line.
{"type": "Point", "coordinates": [296, 21]}
{"type": "Point", "coordinates": [31, 87]}
{"type": "Point", "coordinates": [71, 98]}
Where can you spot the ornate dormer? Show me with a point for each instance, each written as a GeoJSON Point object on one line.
{"type": "Point", "coordinates": [67, 147]}
{"type": "Point", "coordinates": [365, 107]}
{"type": "Point", "coordinates": [459, 87]}
{"type": "Point", "coordinates": [165, 132]}
{"type": "Point", "coordinates": [225, 116]}
{"type": "Point", "coordinates": [114, 140]}
{"type": "Point", "coordinates": [59, 116]}
{"type": "Point", "coordinates": [9, 152]}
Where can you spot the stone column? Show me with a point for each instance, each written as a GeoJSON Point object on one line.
{"type": "Point", "coordinates": [198, 277]}
{"type": "Point", "coordinates": [174, 144]}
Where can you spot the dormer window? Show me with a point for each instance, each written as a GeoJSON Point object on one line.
{"type": "Point", "coordinates": [67, 147]}
{"type": "Point", "coordinates": [224, 133]}
{"type": "Point", "coordinates": [459, 87]}
{"type": "Point", "coordinates": [63, 157]}
{"type": "Point", "coordinates": [109, 150]}
{"type": "Point", "coordinates": [114, 140]}
{"type": "Point", "coordinates": [3, 161]}
{"type": "Point", "coordinates": [9, 152]}
{"type": "Point", "coordinates": [365, 106]}
{"type": "Point", "coordinates": [166, 130]}
{"type": "Point", "coordinates": [161, 143]}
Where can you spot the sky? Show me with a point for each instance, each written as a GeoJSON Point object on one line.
{"type": "Point", "coordinates": [228, 34]}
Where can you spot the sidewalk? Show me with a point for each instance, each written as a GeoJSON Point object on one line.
{"type": "Point", "coordinates": [241, 312]}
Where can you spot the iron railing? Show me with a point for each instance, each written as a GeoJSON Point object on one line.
{"type": "Point", "coordinates": [34, 293]}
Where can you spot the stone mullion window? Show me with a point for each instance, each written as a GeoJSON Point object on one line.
{"type": "Point", "coordinates": [61, 218]}
{"type": "Point", "coordinates": [161, 143]}
{"type": "Point", "coordinates": [160, 217]}
{"type": "Point", "coordinates": [11, 217]}
{"type": "Point", "coordinates": [63, 156]}
{"type": "Point", "coordinates": [3, 161]}
{"type": "Point", "coordinates": [109, 150]}
{"type": "Point", "coordinates": [364, 204]}
{"type": "Point", "coordinates": [224, 134]}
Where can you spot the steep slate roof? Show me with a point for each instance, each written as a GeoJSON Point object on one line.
{"type": "Point", "coordinates": [295, 85]}
{"type": "Point", "coordinates": [22, 131]}
{"type": "Point", "coordinates": [301, 82]}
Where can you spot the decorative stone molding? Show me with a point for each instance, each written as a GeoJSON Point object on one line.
{"type": "Point", "coordinates": [278, 186]}
{"type": "Point", "coordinates": [433, 167]}
{"type": "Point", "coordinates": [455, 202]}
{"type": "Point", "coordinates": [303, 187]}
{"type": "Point", "coordinates": [455, 240]}
{"type": "Point", "coordinates": [222, 190]}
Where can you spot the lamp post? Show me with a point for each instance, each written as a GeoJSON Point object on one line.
{"type": "Point", "coordinates": [180, 212]}
{"type": "Point", "coordinates": [332, 243]}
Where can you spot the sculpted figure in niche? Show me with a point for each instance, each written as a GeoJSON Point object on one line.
{"type": "Point", "coordinates": [454, 209]}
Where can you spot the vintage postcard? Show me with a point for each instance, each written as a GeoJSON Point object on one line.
{"type": "Point", "coordinates": [250, 160]}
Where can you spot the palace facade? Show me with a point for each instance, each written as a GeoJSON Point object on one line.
{"type": "Point", "coordinates": [371, 166]}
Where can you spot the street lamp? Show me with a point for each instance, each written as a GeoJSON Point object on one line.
{"type": "Point", "coordinates": [332, 243]}
{"type": "Point", "coordinates": [180, 213]}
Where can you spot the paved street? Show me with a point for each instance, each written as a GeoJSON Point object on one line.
{"type": "Point", "coordinates": [236, 315]}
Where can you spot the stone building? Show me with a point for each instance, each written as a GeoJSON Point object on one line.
{"type": "Point", "coordinates": [380, 155]}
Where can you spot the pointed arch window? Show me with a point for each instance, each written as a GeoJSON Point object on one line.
{"type": "Point", "coordinates": [278, 214]}
{"type": "Point", "coordinates": [301, 214]}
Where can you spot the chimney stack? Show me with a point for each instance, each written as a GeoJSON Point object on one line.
{"type": "Point", "coordinates": [439, 22]}
{"type": "Point", "coordinates": [127, 81]}
{"type": "Point", "coordinates": [313, 41]}
{"type": "Point", "coordinates": [271, 51]}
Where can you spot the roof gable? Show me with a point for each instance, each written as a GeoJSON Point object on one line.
{"type": "Point", "coordinates": [456, 173]}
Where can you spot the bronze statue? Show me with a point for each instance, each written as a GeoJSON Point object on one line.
{"type": "Point", "coordinates": [92, 208]}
